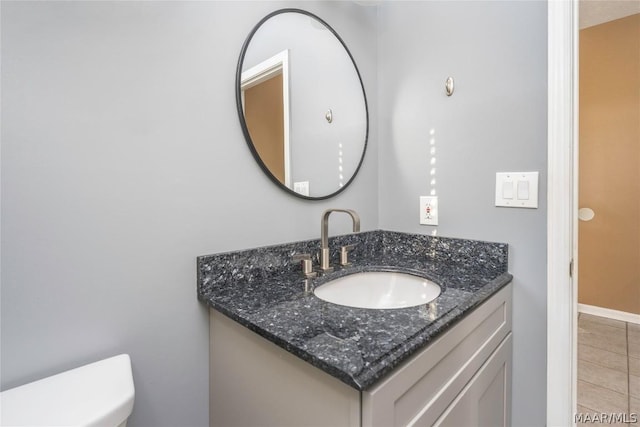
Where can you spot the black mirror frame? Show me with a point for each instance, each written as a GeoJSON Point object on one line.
{"type": "Point", "coordinates": [243, 123]}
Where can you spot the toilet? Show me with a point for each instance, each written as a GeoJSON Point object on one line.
{"type": "Point", "coordinates": [98, 394]}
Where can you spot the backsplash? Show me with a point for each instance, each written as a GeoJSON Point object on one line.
{"type": "Point", "coordinates": [445, 257]}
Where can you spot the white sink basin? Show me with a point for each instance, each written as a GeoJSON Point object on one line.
{"type": "Point", "coordinates": [379, 289]}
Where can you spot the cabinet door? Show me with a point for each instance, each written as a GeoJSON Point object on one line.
{"type": "Point", "coordinates": [484, 400]}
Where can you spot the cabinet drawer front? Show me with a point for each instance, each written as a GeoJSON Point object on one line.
{"type": "Point", "coordinates": [420, 390]}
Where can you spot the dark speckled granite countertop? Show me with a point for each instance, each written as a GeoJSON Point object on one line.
{"type": "Point", "coordinates": [265, 291]}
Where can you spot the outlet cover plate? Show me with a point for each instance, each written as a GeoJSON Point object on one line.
{"type": "Point", "coordinates": [428, 210]}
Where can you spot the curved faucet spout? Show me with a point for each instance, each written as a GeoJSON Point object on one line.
{"type": "Point", "coordinates": [324, 234]}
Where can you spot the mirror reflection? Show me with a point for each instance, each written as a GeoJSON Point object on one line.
{"type": "Point", "coordinates": [302, 104]}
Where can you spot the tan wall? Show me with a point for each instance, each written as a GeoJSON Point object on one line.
{"type": "Point", "coordinates": [609, 245]}
{"type": "Point", "coordinates": [264, 114]}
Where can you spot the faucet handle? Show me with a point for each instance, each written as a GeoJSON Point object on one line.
{"type": "Point", "coordinates": [307, 265]}
{"type": "Point", "coordinates": [344, 254]}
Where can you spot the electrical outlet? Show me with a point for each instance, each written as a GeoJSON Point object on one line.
{"type": "Point", "coordinates": [428, 210]}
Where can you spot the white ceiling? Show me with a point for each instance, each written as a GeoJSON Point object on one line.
{"type": "Point", "coordinates": [594, 12]}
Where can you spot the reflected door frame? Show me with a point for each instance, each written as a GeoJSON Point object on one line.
{"type": "Point", "coordinates": [277, 64]}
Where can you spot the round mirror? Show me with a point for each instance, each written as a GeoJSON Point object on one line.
{"type": "Point", "coordinates": [301, 104]}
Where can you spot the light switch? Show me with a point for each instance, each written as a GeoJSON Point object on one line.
{"type": "Point", "coordinates": [517, 189]}
{"type": "Point", "coordinates": [507, 190]}
{"type": "Point", "coordinates": [523, 190]}
{"type": "Point", "coordinates": [301, 187]}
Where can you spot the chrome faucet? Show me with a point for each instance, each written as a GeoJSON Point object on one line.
{"type": "Point", "coordinates": [324, 234]}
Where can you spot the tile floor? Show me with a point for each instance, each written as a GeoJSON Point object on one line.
{"type": "Point", "coordinates": [608, 366]}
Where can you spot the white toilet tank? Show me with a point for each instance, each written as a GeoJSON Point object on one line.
{"type": "Point", "coordinates": [98, 394]}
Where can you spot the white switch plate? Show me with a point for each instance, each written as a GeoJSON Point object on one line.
{"type": "Point", "coordinates": [301, 187]}
{"type": "Point", "coordinates": [428, 210]}
{"type": "Point", "coordinates": [524, 191]}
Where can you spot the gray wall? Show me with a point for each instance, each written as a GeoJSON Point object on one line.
{"type": "Point", "coordinates": [494, 122]}
{"type": "Point", "coordinates": [122, 160]}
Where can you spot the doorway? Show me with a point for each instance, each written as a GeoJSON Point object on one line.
{"type": "Point", "coordinates": [562, 212]}
{"type": "Point", "coordinates": [608, 354]}
{"type": "Point", "coordinates": [266, 107]}
{"type": "Point", "coordinates": [264, 115]}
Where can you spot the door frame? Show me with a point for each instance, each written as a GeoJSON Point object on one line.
{"type": "Point", "coordinates": [562, 211]}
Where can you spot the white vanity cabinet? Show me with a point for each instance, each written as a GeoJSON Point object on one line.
{"type": "Point", "coordinates": [462, 379]}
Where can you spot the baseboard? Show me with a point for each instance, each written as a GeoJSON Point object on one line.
{"type": "Point", "coordinates": [609, 313]}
